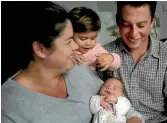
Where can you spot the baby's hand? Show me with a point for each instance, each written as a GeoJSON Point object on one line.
{"type": "Point", "coordinates": [104, 60]}
{"type": "Point", "coordinates": [78, 57]}
{"type": "Point", "coordinates": [111, 100]}
{"type": "Point", "coordinates": [105, 105]}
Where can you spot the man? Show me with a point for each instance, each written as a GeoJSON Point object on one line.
{"type": "Point", "coordinates": [144, 59]}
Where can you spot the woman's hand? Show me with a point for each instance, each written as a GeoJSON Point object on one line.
{"type": "Point", "coordinates": [104, 60]}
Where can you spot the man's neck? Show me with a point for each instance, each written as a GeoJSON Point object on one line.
{"type": "Point", "coordinates": [139, 52]}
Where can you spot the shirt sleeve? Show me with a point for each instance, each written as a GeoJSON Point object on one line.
{"type": "Point", "coordinates": [116, 58]}
{"type": "Point", "coordinates": [95, 104]}
{"type": "Point", "coordinates": [116, 62]}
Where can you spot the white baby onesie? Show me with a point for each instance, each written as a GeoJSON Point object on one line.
{"type": "Point", "coordinates": [102, 116]}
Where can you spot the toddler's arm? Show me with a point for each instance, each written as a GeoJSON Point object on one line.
{"type": "Point", "coordinates": [116, 62]}
{"type": "Point", "coordinates": [116, 58]}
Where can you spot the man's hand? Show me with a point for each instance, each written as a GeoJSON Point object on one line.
{"type": "Point", "coordinates": [134, 119]}
{"type": "Point", "coordinates": [104, 60]}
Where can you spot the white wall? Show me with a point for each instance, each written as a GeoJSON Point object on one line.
{"type": "Point", "coordinates": [162, 30]}
{"type": "Point", "coordinates": [106, 21]}
{"type": "Point", "coordinates": [71, 4]}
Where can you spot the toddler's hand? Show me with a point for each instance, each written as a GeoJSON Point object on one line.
{"type": "Point", "coordinates": [104, 60]}
{"type": "Point", "coordinates": [78, 57]}
{"type": "Point", "coordinates": [105, 105]}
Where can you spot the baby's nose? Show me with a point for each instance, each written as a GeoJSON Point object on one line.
{"type": "Point", "coordinates": [109, 88]}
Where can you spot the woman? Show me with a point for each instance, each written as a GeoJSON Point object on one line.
{"type": "Point", "coordinates": [50, 89]}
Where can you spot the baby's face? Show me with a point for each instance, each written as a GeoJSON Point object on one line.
{"type": "Point", "coordinates": [112, 87]}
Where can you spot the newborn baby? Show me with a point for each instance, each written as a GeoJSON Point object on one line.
{"type": "Point", "coordinates": [111, 105]}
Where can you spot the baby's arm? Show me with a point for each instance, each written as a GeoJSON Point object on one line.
{"type": "Point", "coordinates": [127, 109]}
{"type": "Point", "coordinates": [95, 104]}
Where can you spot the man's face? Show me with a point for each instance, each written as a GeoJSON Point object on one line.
{"type": "Point", "coordinates": [135, 26]}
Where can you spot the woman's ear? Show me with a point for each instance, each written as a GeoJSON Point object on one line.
{"type": "Point", "coordinates": [39, 50]}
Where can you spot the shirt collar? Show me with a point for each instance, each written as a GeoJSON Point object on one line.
{"type": "Point", "coordinates": [154, 46]}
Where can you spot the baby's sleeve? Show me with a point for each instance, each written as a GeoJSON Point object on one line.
{"type": "Point", "coordinates": [95, 104]}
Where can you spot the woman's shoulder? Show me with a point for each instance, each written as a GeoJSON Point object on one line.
{"type": "Point", "coordinates": [12, 91]}
{"type": "Point", "coordinates": [83, 75]}
{"type": "Point", "coordinates": [10, 94]}
{"type": "Point", "coordinates": [8, 87]}
{"type": "Point", "coordinates": [83, 70]}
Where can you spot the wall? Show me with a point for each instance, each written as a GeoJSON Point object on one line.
{"type": "Point", "coordinates": [106, 21]}
{"type": "Point", "coordinates": [162, 15]}
{"type": "Point", "coordinates": [71, 4]}
{"type": "Point", "coordinates": [104, 35]}
{"type": "Point", "coordinates": [107, 9]}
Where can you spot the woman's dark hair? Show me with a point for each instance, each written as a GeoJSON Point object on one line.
{"type": "Point", "coordinates": [24, 22]}
{"type": "Point", "coordinates": [121, 4]}
{"type": "Point", "coordinates": [84, 19]}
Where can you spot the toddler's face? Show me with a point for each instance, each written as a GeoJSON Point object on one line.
{"type": "Point", "coordinates": [85, 40]}
{"type": "Point", "coordinates": [112, 87]}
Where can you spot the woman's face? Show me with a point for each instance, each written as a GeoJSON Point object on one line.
{"type": "Point", "coordinates": [60, 56]}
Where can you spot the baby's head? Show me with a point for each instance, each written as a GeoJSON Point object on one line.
{"type": "Point", "coordinates": [86, 25]}
{"type": "Point", "coordinates": [112, 87]}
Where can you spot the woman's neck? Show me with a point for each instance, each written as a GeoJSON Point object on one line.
{"type": "Point", "coordinates": [38, 75]}
{"type": "Point", "coordinates": [46, 81]}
